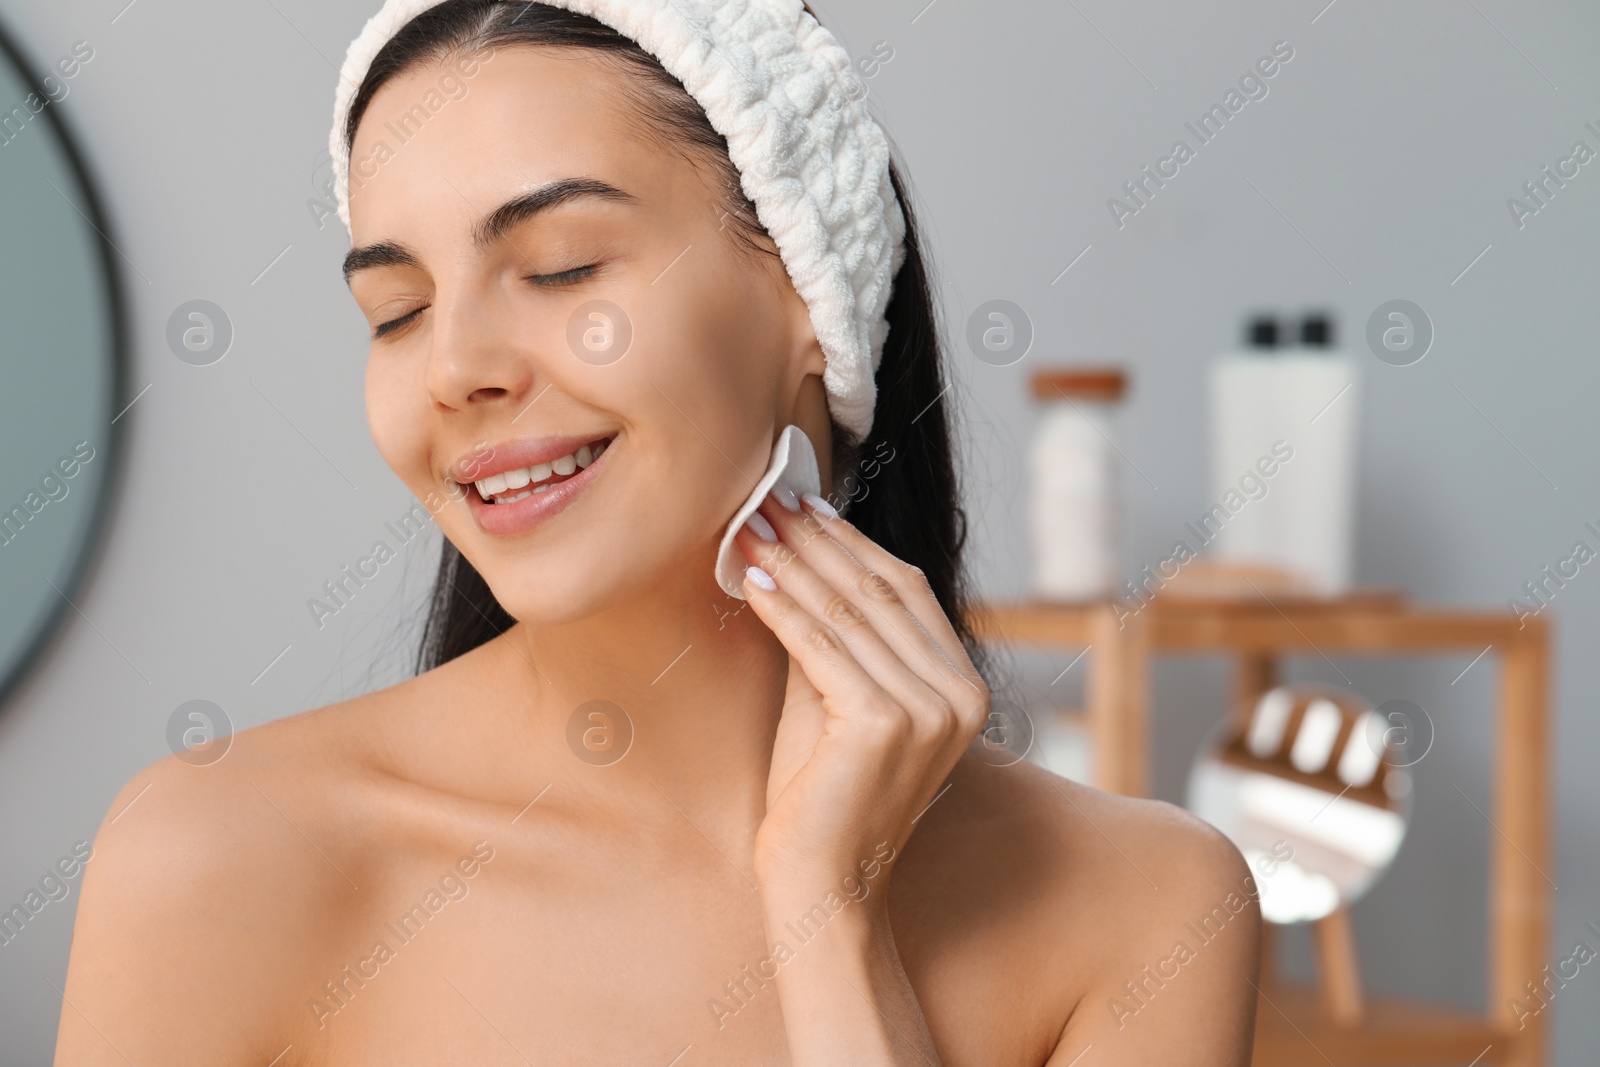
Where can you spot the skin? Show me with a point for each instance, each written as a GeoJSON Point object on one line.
{"type": "Point", "coordinates": [779, 765]}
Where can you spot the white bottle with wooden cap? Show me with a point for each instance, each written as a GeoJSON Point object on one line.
{"type": "Point", "coordinates": [1076, 502]}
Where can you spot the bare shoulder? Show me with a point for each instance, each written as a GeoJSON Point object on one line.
{"type": "Point", "coordinates": [1135, 920]}
{"type": "Point", "coordinates": [208, 880]}
{"type": "Point", "coordinates": [1121, 839]}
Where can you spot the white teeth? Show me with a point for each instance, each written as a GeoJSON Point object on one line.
{"type": "Point", "coordinates": [509, 481]}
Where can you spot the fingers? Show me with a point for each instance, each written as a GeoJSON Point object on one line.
{"type": "Point", "coordinates": [814, 619]}
{"type": "Point", "coordinates": [909, 581]}
{"type": "Point", "coordinates": [859, 566]}
{"type": "Point", "coordinates": [873, 612]}
{"type": "Point", "coordinates": [838, 574]}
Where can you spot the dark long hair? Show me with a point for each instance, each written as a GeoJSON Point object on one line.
{"type": "Point", "coordinates": [898, 485]}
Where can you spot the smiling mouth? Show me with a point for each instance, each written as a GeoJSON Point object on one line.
{"type": "Point", "coordinates": [507, 487]}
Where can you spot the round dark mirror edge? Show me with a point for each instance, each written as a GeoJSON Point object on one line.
{"type": "Point", "coordinates": [93, 542]}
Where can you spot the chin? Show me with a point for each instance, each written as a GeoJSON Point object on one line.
{"type": "Point", "coordinates": [557, 584]}
{"type": "Point", "coordinates": [552, 596]}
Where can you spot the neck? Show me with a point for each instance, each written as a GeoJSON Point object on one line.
{"type": "Point", "coordinates": [698, 676]}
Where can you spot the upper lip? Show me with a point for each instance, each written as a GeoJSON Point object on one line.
{"type": "Point", "coordinates": [514, 455]}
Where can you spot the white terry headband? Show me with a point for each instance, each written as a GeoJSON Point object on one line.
{"type": "Point", "coordinates": [810, 157]}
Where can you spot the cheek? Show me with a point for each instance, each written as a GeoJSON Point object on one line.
{"type": "Point", "coordinates": [719, 363]}
{"type": "Point", "coordinates": [723, 329]}
{"type": "Point", "coordinates": [398, 423]}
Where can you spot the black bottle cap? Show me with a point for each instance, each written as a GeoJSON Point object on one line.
{"type": "Point", "coordinates": [1262, 332]}
{"type": "Point", "coordinates": [1316, 330]}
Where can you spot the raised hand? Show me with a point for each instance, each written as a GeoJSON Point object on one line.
{"type": "Point", "coordinates": [881, 702]}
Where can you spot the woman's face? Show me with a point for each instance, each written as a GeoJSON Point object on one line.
{"type": "Point", "coordinates": [619, 311]}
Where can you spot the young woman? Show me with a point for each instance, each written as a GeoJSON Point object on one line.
{"type": "Point", "coordinates": [621, 816]}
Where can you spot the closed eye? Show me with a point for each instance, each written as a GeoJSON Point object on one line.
{"type": "Point", "coordinates": [566, 277]}
{"type": "Point", "coordinates": [385, 328]}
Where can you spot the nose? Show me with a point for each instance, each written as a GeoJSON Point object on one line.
{"type": "Point", "coordinates": [477, 358]}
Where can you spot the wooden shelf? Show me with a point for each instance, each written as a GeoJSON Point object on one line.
{"type": "Point", "coordinates": [1356, 624]}
{"type": "Point", "coordinates": [1293, 1031]}
{"type": "Point", "coordinates": [1255, 631]}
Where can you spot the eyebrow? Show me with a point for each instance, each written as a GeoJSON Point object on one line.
{"type": "Point", "coordinates": [494, 225]}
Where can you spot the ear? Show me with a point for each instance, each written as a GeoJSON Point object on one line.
{"type": "Point", "coordinates": [807, 362]}
{"type": "Point", "coordinates": [805, 351]}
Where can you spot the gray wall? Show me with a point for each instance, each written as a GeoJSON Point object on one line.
{"type": "Point", "coordinates": [1377, 167]}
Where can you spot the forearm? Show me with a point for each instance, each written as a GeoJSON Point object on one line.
{"type": "Point", "coordinates": [844, 995]}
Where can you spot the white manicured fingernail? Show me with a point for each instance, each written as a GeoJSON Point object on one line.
{"type": "Point", "coordinates": [761, 527]}
{"type": "Point", "coordinates": [786, 496]}
{"type": "Point", "coordinates": [761, 578]}
{"type": "Point", "coordinates": [820, 504]}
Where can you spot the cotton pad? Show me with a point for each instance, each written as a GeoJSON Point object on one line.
{"type": "Point", "coordinates": [794, 462]}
